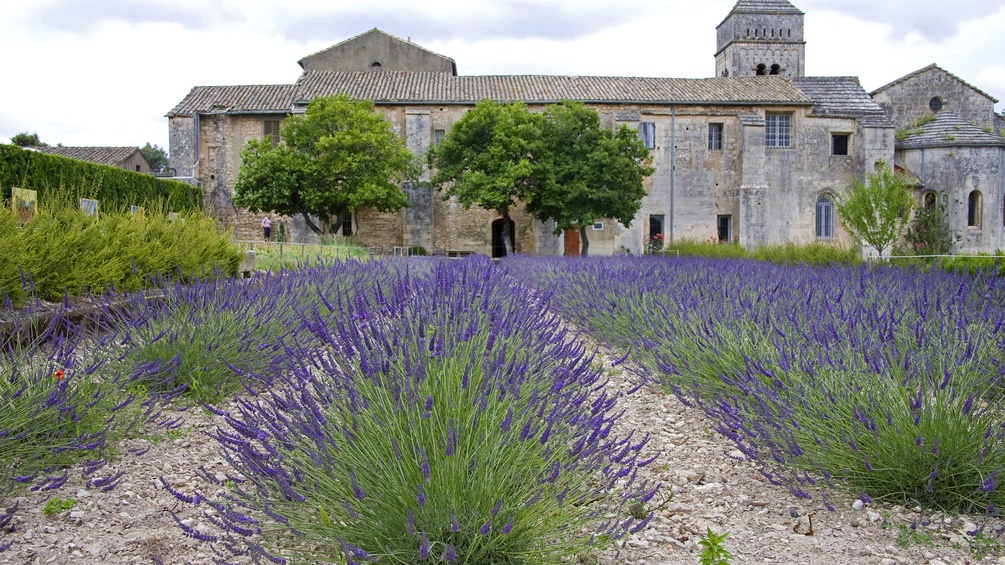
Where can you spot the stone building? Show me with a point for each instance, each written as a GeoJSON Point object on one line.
{"type": "Point", "coordinates": [757, 154]}
{"type": "Point", "coordinates": [128, 158]}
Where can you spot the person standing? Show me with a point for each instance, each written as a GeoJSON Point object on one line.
{"type": "Point", "coordinates": [266, 227]}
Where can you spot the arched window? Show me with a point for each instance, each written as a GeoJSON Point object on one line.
{"type": "Point", "coordinates": [761, 69]}
{"type": "Point", "coordinates": [775, 68]}
{"type": "Point", "coordinates": [974, 209]}
{"type": "Point", "coordinates": [825, 217]}
{"type": "Point", "coordinates": [930, 200]}
{"type": "Point", "coordinates": [376, 67]}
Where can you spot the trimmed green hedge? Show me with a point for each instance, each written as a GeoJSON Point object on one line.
{"type": "Point", "coordinates": [784, 254]}
{"type": "Point", "coordinates": [53, 176]}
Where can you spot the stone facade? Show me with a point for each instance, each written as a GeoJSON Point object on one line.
{"type": "Point", "coordinates": [754, 159]}
{"type": "Point", "coordinates": [930, 90]}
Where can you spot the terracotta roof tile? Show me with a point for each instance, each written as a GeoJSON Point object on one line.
{"type": "Point", "coordinates": [243, 99]}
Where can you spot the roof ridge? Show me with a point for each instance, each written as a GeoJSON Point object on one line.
{"type": "Point", "coordinates": [369, 31]}
{"type": "Point", "coordinates": [927, 68]}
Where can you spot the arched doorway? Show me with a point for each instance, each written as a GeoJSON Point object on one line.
{"type": "Point", "coordinates": [502, 246]}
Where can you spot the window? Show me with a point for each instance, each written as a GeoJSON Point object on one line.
{"type": "Point", "coordinates": [825, 217]}
{"type": "Point", "coordinates": [655, 225]}
{"type": "Point", "coordinates": [647, 133]}
{"type": "Point", "coordinates": [724, 223]}
{"type": "Point", "coordinates": [935, 104]}
{"type": "Point", "coordinates": [598, 226]}
{"type": "Point", "coordinates": [438, 135]}
{"type": "Point", "coordinates": [272, 131]}
{"type": "Point", "coordinates": [376, 67]}
{"type": "Point", "coordinates": [930, 200]}
{"type": "Point", "coordinates": [714, 136]}
{"type": "Point", "coordinates": [775, 69]}
{"type": "Point", "coordinates": [839, 143]}
{"type": "Point", "coordinates": [137, 168]}
{"type": "Point", "coordinates": [345, 229]}
{"type": "Point", "coordinates": [777, 132]}
{"type": "Point", "coordinates": [974, 209]}
{"type": "Point", "coordinates": [762, 69]}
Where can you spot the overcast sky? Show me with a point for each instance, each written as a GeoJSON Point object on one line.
{"type": "Point", "coordinates": [104, 72]}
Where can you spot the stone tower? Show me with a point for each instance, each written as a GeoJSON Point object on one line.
{"type": "Point", "coordinates": [761, 37]}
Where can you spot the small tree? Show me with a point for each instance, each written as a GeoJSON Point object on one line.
{"type": "Point", "coordinates": [25, 139]}
{"type": "Point", "coordinates": [930, 233]}
{"type": "Point", "coordinates": [156, 156]}
{"type": "Point", "coordinates": [876, 211]}
{"type": "Point", "coordinates": [338, 156]}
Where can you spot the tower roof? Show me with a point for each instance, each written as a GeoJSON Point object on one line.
{"type": "Point", "coordinates": [764, 7]}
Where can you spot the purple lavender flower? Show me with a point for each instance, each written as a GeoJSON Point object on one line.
{"type": "Point", "coordinates": [486, 528]}
{"type": "Point", "coordinates": [424, 548]}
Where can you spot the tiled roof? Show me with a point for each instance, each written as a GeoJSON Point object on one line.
{"type": "Point", "coordinates": [100, 155]}
{"type": "Point", "coordinates": [842, 97]}
{"type": "Point", "coordinates": [923, 70]}
{"type": "Point", "coordinates": [950, 130]}
{"type": "Point", "coordinates": [443, 88]}
{"type": "Point", "coordinates": [242, 99]}
{"type": "Point", "coordinates": [764, 7]}
{"type": "Point", "coordinates": [375, 30]}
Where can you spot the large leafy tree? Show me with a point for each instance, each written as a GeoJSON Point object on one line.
{"type": "Point", "coordinates": [559, 163]}
{"type": "Point", "coordinates": [876, 211]}
{"type": "Point", "coordinates": [589, 172]}
{"type": "Point", "coordinates": [490, 157]}
{"type": "Point", "coordinates": [338, 156]}
{"type": "Point", "coordinates": [156, 156]}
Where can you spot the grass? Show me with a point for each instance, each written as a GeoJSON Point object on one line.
{"type": "Point", "coordinates": [274, 256]}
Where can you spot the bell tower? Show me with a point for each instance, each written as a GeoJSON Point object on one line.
{"type": "Point", "coordinates": [761, 37]}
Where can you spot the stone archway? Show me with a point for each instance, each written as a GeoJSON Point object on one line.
{"type": "Point", "coordinates": [501, 246]}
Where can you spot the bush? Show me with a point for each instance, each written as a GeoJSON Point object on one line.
{"type": "Point", "coordinates": [62, 252]}
{"type": "Point", "coordinates": [784, 254]}
{"type": "Point", "coordinates": [446, 420]}
{"type": "Point", "coordinates": [985, 263]}
{"type": "Point", "coordinates": [59, 178]}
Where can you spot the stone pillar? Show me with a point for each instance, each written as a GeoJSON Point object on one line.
{"type": "Point", "coordinates": [418, 220]}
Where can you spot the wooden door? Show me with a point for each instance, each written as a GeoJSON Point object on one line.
{"type": "Point", "coordinates": [572, 242]}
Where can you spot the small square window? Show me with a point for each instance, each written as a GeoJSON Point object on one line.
{"type": "Point", "coordinates": [839, 143]}
{"type": "Point", "coordinates": [714, 137]}
{"type": "Point", "coordinates": [598, 226]}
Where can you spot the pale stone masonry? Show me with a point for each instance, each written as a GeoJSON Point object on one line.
{"type": "Point", "coordinates": [758, 154]}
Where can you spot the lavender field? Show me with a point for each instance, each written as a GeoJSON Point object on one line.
{"type": "Point", "coordinates": [451, 411]}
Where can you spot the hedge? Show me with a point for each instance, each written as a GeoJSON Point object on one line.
{"type": "Point", "coordinates": [114, 188]}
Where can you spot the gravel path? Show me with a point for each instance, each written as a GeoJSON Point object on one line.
{"type": "Point", "coordinates": [712, 487]}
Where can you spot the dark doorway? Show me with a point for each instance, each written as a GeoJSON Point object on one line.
{"type": "Point", "coordinates": [502, 246]}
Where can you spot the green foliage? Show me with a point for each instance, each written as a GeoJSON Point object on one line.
{"type": "Point", "coordinates": [902, 134]}
{"type": "Point", "coordinates": [976, 264]}
{"type": "Point", "coordinates": [911, 535]}
{"type": "Point", "coordinates": [156, 156]}
{"type": "Point", "coordinates": [712, 552]}
{"type": "Point", "coordinates": [930, 233]}
{"type": "Point", "coordinates": [57, 178]}
{"type": "Point", "coordinates": [276, 256]}
{"type": "Point", "coordinates": [876, 211]}
{"type": "Point", "coordinates": [784, 254]}
{"type": "Point", "coordinates": [337, 157]}
{"type": "Point", "coordinates": [561, 164]}
{"type": "Point", "coordinates": [63, 252]}
{"type": "Point", "coordinates": [56, 505]}
{"type": "Point", "coordinates": [25, 139]}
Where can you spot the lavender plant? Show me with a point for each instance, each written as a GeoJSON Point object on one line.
{"type": "Point", "coordinates": [882, 382]}
{"type": "Point", "coordinates": [446, 418]}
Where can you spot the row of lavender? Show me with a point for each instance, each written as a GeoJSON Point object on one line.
{"type": "Point", "coordinates": [391, 411]}
{"type": "Point", "coordinates": [883, 382]}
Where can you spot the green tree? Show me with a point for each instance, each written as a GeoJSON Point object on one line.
{"type": "Point", "coordinates": [930, 233]}
{"type": "Point", "coordinates": [489, 157]}
{"type": "Point", "coordinates": [338, 156]}
{"type": "Point", "coordinates": [876, 211]}
{"type": "Point", "coordinates": [559, 163]}
{"type": "Point", "coordinates": [156, 156]}
{"type": "Point", "coordinates": [25, 139]}
{"type": "Point", "coordinates": [589, 172]}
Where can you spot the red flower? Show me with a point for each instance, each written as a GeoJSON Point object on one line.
{"type": "Point", "coordinates": [59, 375]}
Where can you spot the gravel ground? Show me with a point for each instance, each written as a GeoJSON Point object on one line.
{"type": "Point", "coordinates": [713, 487]}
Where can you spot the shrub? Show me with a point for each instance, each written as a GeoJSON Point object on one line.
{"type": "Point", "coordinates": [783, 254]}
{"type": "Point", "coordinates": [444, 420]}
{"type": "Point", "coordinates": [883, 382]}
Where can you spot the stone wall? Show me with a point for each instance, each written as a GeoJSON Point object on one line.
{"type": "Point", "coordinates": [953, 173]}
{"type": "Point", "coordinates": [393, 54]}
{"type": "Point", "coordinates": [909, 99]}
